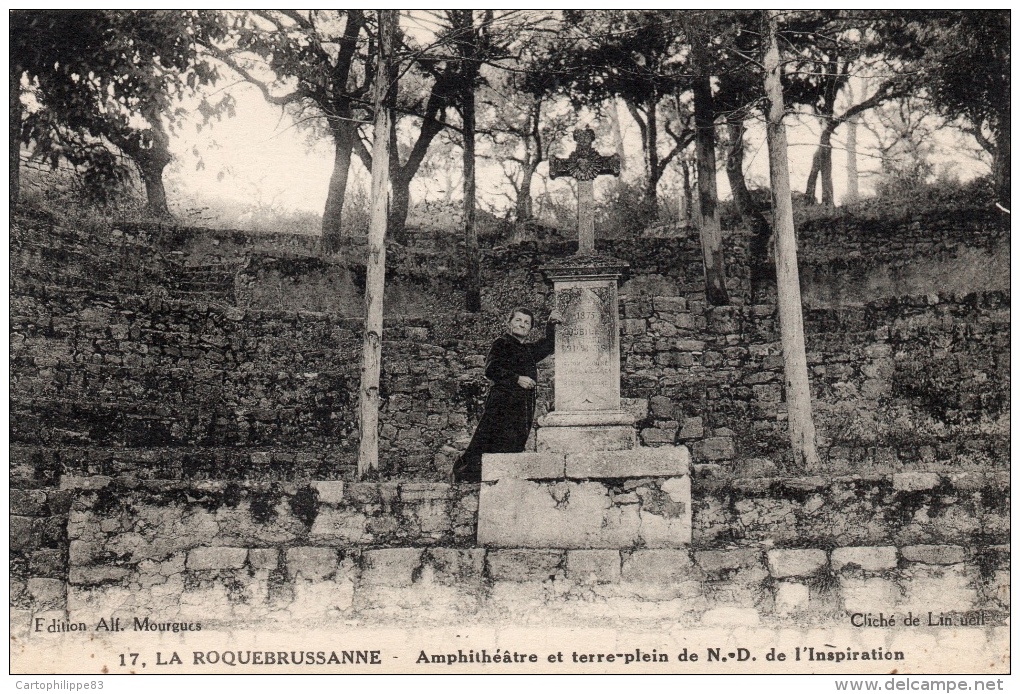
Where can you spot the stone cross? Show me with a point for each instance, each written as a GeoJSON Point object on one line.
{"type": "Point", "coordinates": [584, 164]}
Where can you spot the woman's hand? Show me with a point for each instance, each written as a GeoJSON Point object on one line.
{"type": "Point", "coordinates": [525, 382]}
{"type": "Point", "coordinates": [556, 317]}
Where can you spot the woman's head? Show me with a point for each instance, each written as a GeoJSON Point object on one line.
{"type": "Point", "coordinates": [520, 321]}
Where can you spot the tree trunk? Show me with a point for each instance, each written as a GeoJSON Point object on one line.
{"type": "Point", "coordinates": [473, 279]}
{"type": "Point", "coordinates": [155, 193]}
{"type": "Point", "coordinates": [525, 204]}
{"type": "Point", "coordinates": [151, 159]}
{"type": "Point", "coordinates": [400, 201]}
{"type": "Point", "coordinates": [402, 174]}
{"type": "Point", "coordinates": [375, 271]}
{"type": "Point", "coordinates": [14, 134]}
{"type": "Point", "coordinates": [711, 232]}
{"type": "Point", "coordinates": [524, 207]}
{"type": "Point", "coordinates": [152, 171]}
{"type": "Point", "coordinates": [1001, 164]}
{"type": "Point", "coordinates": [651, 158]}
{"type": "Point", "coordinates": [685, 198]}
{"type": "Point", "coordinates": [695, 209]}
{"type": "Point", "coordinates": [614, 115]}
{"type": "Point", "coordinates": [798, 392]}
{"type": "Point", "coordinates": [825, 166]}
{"type": "Point", "coordinates": [853, 192]}
{"type": "Point", "coordinates": [532, 138]}
{"type": "Point", "coordinates": [332, 217]}
{"type": "Point", "coordinates": [762, 272]}
{"type": "Point", "coordinates": [735, 167]}
{"type": "Point", "coordinates": [812, 179]}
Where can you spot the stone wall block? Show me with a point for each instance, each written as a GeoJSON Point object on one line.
{"type": "Point", "coordinates": [941, 588]}
{"type": "Point", "coordinates": [869, 594]}
{"type": "Point", "coordinates": [594, 565]}
{"type": "Point", "coordinates": [315, 563]}
{"type": "Point", "coordinates": [661, 407]}
{"type": "Point", "coordinates": [24, 534]}
{"type": "Point", "coordinates": [47, 562]}
{"type": "Point", "coordinates": [716, 561]}
{"type": "Point", "coordinates": [792, 597]}
{"type": "Point", "coordinates": [339, 524]}
{"type": "Point", "coordinates": [659, 566]}
{"type": "Point", "coordinates": [497, 466]}
{"type": "Point", "coordinates": [796, 562]}
{"type": "Point", "coordinates": [28, 502]}
{"type": "Point", "coordinates": [97, 575]}
{"type": "Point", "coordinates": [264, 558]}
{"type": "Point", "coordinates": [915, 481]}
{"type": "Point", "coordinates": [525, 565]}
{"type": "Point", "coordinates": [715, 448]}
{"type": "Point", "coordinates": [362, 493]}
{"type": "Point", "coordinates": [668, 461]}
{"type": "Point", "coordinates": [653, 436]}
{"type": "Point", "coordinates": [456, 565]}
{"type": "Point", "coordinates": [329, 492]}
{"type": "Point", "coordinates": [47, 593]}
{"type": "Point", "coordinates": [669, 304]}
{"type": "Point", "coordinates": [211, 558]}
{"type": "Point", "coordinates": [633, 326]}
{"type": "Point", "coordinates": [935, 554]}
{"type": "Point", "coordinates": [867, 558]}
{"type": "Point", "coordinates": [691, 428]}
{"type": "Point", "coordinates": [424, 491]}
{"type": "Point", "coordinates": [431, 517]}
{"type": "Point", "coordinates": [754, 467]}
{"type": "Point", "coordinates": [81, 552]}
{"type": "Point", "coordinates": [390, 567]}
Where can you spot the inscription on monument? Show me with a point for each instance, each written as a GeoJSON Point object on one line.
{"type": "Point", "coordinates": [587, 349]}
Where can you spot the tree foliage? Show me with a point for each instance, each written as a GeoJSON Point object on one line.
{"type": "Point", "coordinates": [633, 55]}
{"type": "Point", "coordinates": [318, 64]}
{"type": "Point", "coordinates": [90, 87]}
{"type": "Point", "coordinates": [965, 58]}
{"type": "Point", "coordinates": [104, 77]}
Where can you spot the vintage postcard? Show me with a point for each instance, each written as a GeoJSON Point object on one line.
{"type": "Point", "coordinates": [510, 342]}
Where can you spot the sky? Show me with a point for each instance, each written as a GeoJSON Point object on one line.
{"type": "Point", "coordinates": [261, 157]}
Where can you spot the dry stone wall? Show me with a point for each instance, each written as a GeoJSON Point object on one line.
{"type": "Point", "coordinates": [143, 397]}
{"type": "Point", "coordinates": [223, 553]}
{"type": "Point", "coordinates": [170, 389]}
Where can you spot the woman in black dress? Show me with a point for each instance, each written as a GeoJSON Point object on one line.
{"type": "Point", "coordinates": [510, 404]}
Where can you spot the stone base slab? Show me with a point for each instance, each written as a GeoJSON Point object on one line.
{"type": "Point", "coordinates": [529, 466]}
{"type": "Point", "coordinates": [585, 515]}
{"type": "Point", "coordinates": [578, 439]}
{"type": "Point", "coordinates": [667, 461]}
{"type": "Point", "coordinates": [581, 418]}
{"type": "Point", "coordinates": [589, 500]}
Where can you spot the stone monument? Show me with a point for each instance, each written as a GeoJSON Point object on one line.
{"type": "Point", "coordinates": [588, 485]}
{"type": "Point", "coordinates": [585, 165]}
{"type": "Point", "coordinates": [587, 413]}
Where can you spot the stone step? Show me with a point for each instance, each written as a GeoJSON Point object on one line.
{"type": "Point", "coordinates": [44, 303]}
{"type": "Point", "coordinates": [85, 262]}
{"type": "Point", "coordinates": [142, 425]}
{"type": "Point", "coordinates": [72, 467]}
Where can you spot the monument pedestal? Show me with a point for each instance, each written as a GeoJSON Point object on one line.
{"type": "Point", "coordinates": [576, 432]}
{"type": "Point", "coordinates": [593, 500]}
{"type": "Point", "coordinates": [589, 485]}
